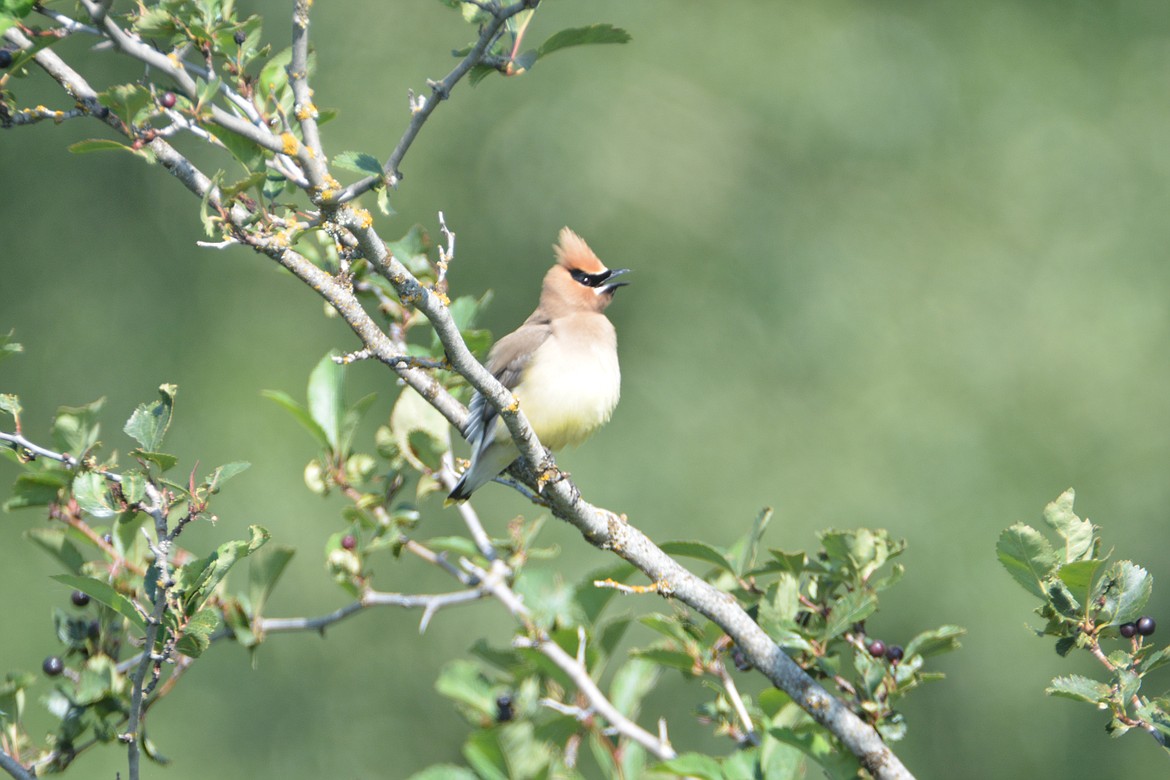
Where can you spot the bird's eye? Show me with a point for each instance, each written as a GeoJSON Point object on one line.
{"type": "Point", "coordinates": [589, 280]}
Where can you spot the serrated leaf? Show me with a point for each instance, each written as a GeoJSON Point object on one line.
{"type": "Point", "coordinates": [10, 403]}
{"type": "Point", "coordinates": [943, 639]}
{"type": "Point", "coordinates": [1078, 577]}
{"type": "Point", "coordinates": [582, 36]}
{"type": "Point", "coordinates": [1076, 533]}
{"type": "Point", "coordinates": [75, 428]}
{"type": "Point", "coordinates": [197, 580]}
{"type": "Point", "coordinates": [197, 633]}
{"type": "Point", "coordinates": [36, 488]}
{"type": "Point", "coordinates": [849, 609]}
{"type": "Point", "coordinates": [699, 551]}
{"type": "Point", "coordinates": [462, 681]}
{"type": "Point", "coordinates": [359, 162]}
{"type": "Point", "coordinates": [149, 423]}
{"type": "Point", "coordinates": [246, 152]}
{"type": "Point", "coordinates": [105, 593]}
{"type": "Point", "coordinates": [1122, 591]}
{"type": "Point", "coordinates": [92, 495]}
{"type": "Point", "coordinates": [1074, 686]}
{"type": "Point", "coordinates": [445, 772]}
{"type": "Point", "coordinates": [1028, 557]}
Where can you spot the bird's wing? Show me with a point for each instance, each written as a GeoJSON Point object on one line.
{"type": "Point", "coordinates": [507, 361]}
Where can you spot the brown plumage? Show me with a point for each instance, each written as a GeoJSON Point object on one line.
{"type": "Point", "coordinates": [560, 364]}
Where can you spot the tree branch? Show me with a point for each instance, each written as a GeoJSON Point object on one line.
{"type": "Point", "coordinates": [14, 767]}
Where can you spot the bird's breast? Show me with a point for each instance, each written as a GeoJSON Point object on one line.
{"type": "Point", "coordinates": [573, 382]}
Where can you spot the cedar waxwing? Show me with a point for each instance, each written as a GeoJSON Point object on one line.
{"type": "Point", "coordinates": [561, 365]}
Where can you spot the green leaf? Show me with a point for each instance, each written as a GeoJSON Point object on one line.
{"type": "Point", "coordinates": [242, 148]}
{"type": "Point", "coordinates": [351, 418]}
{"type": "Point", "coordinates": [631, 683]}
{"type": "Point", "coordinates": [359, 162]}
{"type": "Point", "coordinates": [943, 639]}
{"type": "Point", "coordinates": [327, 398]}
{"type": "Point", "coordinates": [411, 250]}
{"type": "Point", "coordinates": [149, 423]}
{"type": "Point", "coordinates": [1028, 557]}
{"type": "Point", "coordinates": [1122, 591]}
{"type": "Point", "coordinates": [781, 603]}
{"type": "Point", "coordinates": [747, 560]}
{"type": "Point", "coordinates": [8, 347]}
{"type": "Point", "coordinates": [164, 461]}
{"type": "Point", "coordinates": [1076, 533]}
{"type": "Point", "coordinates": [133, 486]}
{"type": "Point", "coordinates": [420, 431]}
{"type": "Point", "coordinates": [462, 681]}
{"type": "Point", "coordinates": [92, 495]}
{"type": "Point", "coordinates": [75, 428]}
{"type": "Point", "coordinates": [128, 101]}
{"type": "Point", "coordinates": [196, 580]}
{"type": "Point", "coordinates": [10, 403]}
{"type": "Point", "coordinates": [672, 659]}
{"type": "Point", "coordinates": [1078, 577]}
{"type": "Point", "coordinates": [97, 680]}
{"type": "Point", "coordinates": [264, 570]}
{"type": "Point", "coordinates": [1074, 686]}
{"type": "Point", "coordinates": [581, 36]}
{"type": "Point", "coordinates": [197, 633]}
{"type": "Point", "coordinates": [103, 592]}
{"type": "Point", "coordinates": [36, 488]}
{"type": "Point", "coordinates": [693, 765]}
{"type": "Point", "coordinates": [17, 8]}
{"type": "Point", "coordinates": [593, 599]}
{"type": "Point", "coordinates": [699, 551]}
{"type": "Point", "coordinates": [57, 544]}
{"type": "Point", "coordinates": [222, 474]}
{"type": "Point", "coordinates": [98, 145]}
{"type": "Point", "coordinates": [551, 600]}
{"type": "Point", "coordinates": [851, 608]}
{"type": "Point", "coordinates": [300, 414]}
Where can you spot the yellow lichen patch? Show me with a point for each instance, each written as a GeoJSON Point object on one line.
{"type": "Point", "coordinates": [174, 58]}
{"type": "Point", "coordinates": [442, 297]}
{"type": "Point", "coordinates": [364, 218]}
{"type": "Point", "coordinates": [306, 111]}
{"type": "Point", "coordinates": [289, 143]}
{"type": "Point", "coordinates": [327, 195]}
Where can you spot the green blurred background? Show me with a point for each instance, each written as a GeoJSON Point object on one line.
{"type": "Point", "coordinates": [898, 264]}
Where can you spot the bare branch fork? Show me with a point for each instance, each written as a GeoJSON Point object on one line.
{"type": "Point", "coordinates": [602, 528]}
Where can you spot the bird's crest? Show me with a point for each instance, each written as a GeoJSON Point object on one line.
{"type": "Point", "coordinates": [573, 253]}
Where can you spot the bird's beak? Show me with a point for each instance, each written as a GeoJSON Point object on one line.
{"type": "Point", "coordinates": [611, 286]}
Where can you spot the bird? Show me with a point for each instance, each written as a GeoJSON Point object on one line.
{"type": "Point", "coordinates": [561, 365]}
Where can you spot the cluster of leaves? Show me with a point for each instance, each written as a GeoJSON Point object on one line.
{"type": "Point", "coordinates": [1090, 604]}
{"type": "Point", "coordinates": [814, 606]}
{"type": "Point", "coordinates": [97, 518]}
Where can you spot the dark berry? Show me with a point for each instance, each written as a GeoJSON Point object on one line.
{"type": "Point", "coordinates": [106, 537]}
{"type": "Point", "coordinates": [79, 598]}
{"type": "Point", "coordinates": [1146, 625]}
{"type": "Point", "coordinates": [504, 708]}
{"type": "Point", "coordinates": [239, 37]}
{"type": "Point", "coordinates": [53, 665]}
{"type": "Point", "coordinates": [5, 58]}
{"type": "Point", "coordinates": [877, 648]}
{"type": "Point", "coordinates": [349, 541]}
{"type": "Point", "coordinates": [1127, 630]}
{"type": "Point", "coordinates": [895, 653]}
{"type": "Point", "coordinates": [168, 100]}
{"type": "Point", "coordinates": [740, 660]}
{"type": "Point", "coordinates": [94, 629]}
